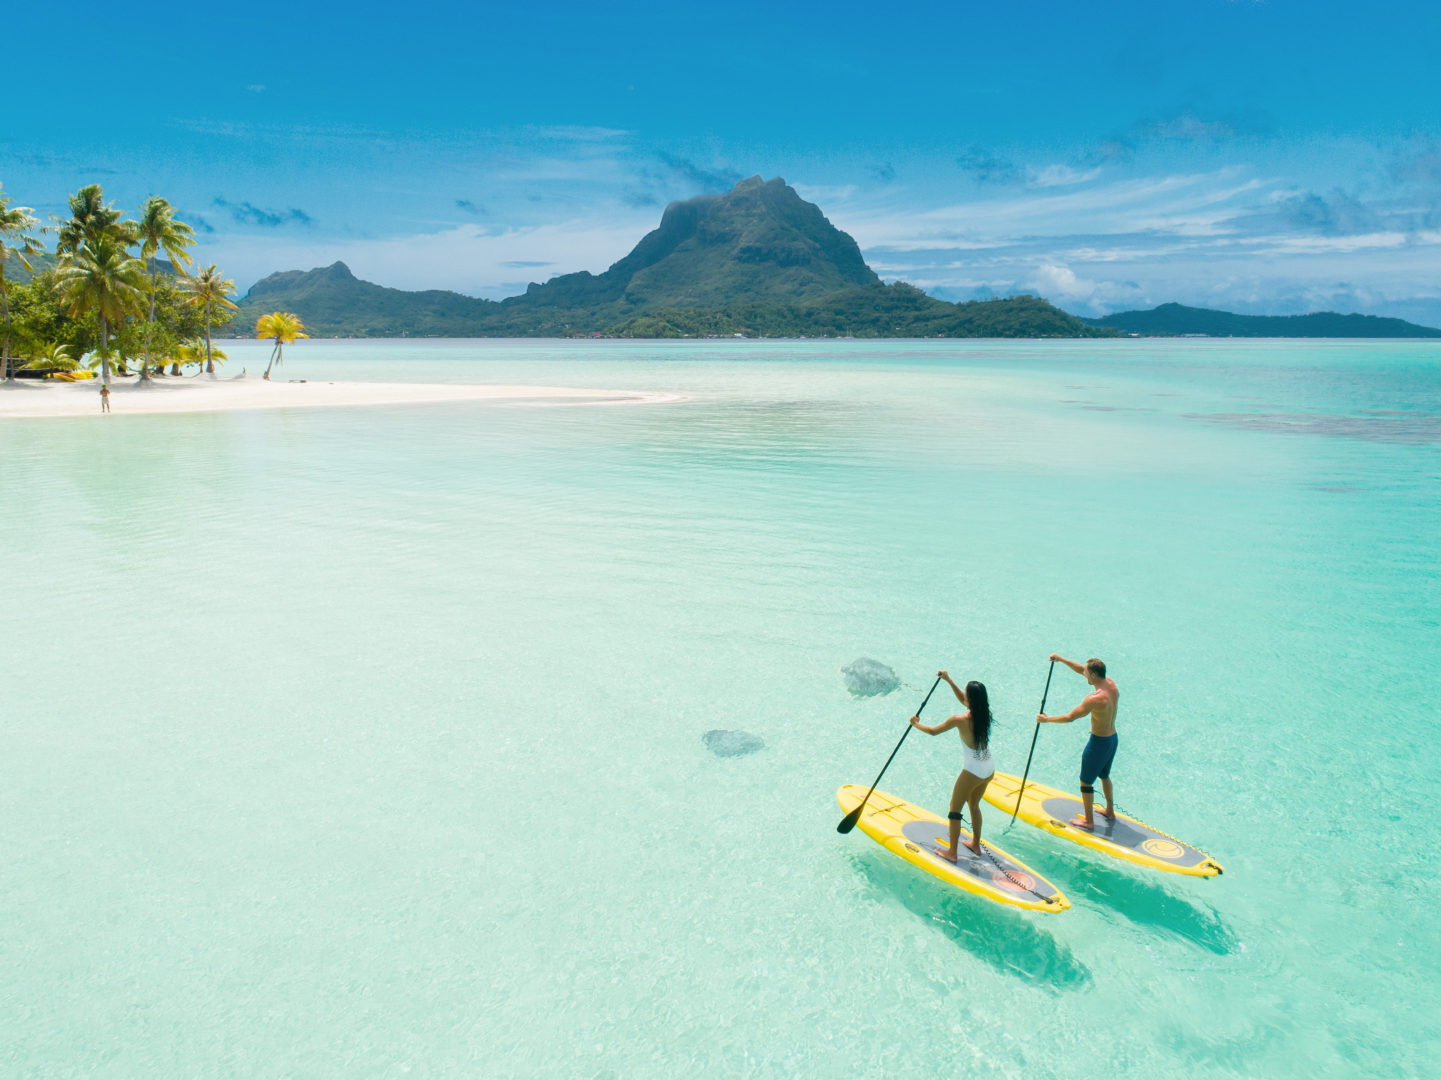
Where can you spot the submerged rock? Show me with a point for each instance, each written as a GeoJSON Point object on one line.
{"type": "Point", "coordinates": [867, 678]}
{"type": "Point", "coordinates": [732, 743]}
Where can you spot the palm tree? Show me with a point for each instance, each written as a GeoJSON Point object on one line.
{"type": "Point", "coordinates": [52, 356]}
{"type": "Point", "coordinates": [90, 219]}
{"type": "Point", "coordinates": [283, 328]}
{"type": "Point", "coordinates": [158, 230]}
{"type": "Point", "coordinates": [101, 276]}
{"type": "Point", "coordinates": [193, 352]}
{"type": "Point", "coordinates": [210, 292]}
{"type": "Point", "coordinates": [16, 225]}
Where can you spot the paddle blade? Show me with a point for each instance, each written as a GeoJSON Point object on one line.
{"type": "Point", "coordinates": [850, 820]}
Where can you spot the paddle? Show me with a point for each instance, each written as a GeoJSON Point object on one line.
{"type": "Point", "coordinates": [1044, 694]}
{"type": "Point", "coordinates": [849, 821]}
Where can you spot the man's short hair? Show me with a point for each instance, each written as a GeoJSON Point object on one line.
{"type": "Point", "coordinates": [1096, 667]}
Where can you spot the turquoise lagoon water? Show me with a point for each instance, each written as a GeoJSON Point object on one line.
{"type": "Point", "coordinates": [366, 742]}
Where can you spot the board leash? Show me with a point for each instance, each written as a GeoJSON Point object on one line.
{"type": "Point", "coordinates": [1002, 866]}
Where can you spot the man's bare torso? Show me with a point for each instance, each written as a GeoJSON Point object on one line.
{"type": "Point", "coordinates": [1104, 700]}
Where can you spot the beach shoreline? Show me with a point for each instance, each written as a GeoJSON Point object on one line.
{"type": "Point", "coordinates": [168, 394]}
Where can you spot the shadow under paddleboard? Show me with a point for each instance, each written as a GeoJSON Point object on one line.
{"type": "Point", "coordinates": [1002, 938]}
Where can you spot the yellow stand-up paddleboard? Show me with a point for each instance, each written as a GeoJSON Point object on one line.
{"type": "Point", "coordinates": [1124, 838]}
{"type": "Point", "coordinates": [914, 833]}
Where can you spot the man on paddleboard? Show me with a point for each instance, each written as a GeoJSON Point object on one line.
{"type": "Point", "coordinates": [1100, 706]}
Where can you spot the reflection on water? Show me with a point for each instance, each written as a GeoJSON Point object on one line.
{"type": "Point", "coordinates": [1004, 938]}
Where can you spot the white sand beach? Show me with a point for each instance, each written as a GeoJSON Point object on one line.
{"type": "Point", "coordinates": [25, 398]}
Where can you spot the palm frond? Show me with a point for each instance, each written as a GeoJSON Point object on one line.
{"type": "Point", "coordinates": [52, 356]}
{"type": "Point", "coordinates": [17, 223]}
{"type": "Point", "coordinates": [280, 326]}
{"type": "Point", "coordinates": [209, 290]}
{"type": "Point", "coordinates": [101, 276]}
{"type": "Point", "coordinates": [158, 229]}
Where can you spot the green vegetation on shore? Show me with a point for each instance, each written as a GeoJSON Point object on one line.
{"type": "Point", "coordinates": [104, 291]}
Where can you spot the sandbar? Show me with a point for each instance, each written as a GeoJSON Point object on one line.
{"type": "Point", "coordinates": [128, 397]}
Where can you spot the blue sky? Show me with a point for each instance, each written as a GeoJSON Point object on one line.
{"type": "Point", "coordinates": [1277, 156]}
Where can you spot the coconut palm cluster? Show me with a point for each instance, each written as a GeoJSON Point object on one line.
{"type": "Point", "coordinates": [104, 298]}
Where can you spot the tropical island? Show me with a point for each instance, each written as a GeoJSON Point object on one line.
{"type": "Point", "coordinates": [757, 261]}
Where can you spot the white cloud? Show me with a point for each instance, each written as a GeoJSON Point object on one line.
{"type": "Point", "coordinates": [825, 197]}
{"type": "Point", "coordinates": [239, 129]}
{"type": "Point", "coordinates": [1317, 245]}
{"type": "Point", "coordinates": [1060, 284]}
{"type": "Point", "coordinates": [580, 133]}
{"type": "Point", "coordinates": [1201, 204]}
{"type": "Point", "coordinates": [469, 258]}
{"type": "Point", "coordinates": [1060, 176]}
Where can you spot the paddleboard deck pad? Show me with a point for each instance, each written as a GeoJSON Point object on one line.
{"type": "Point", "coordinates": [1123, 838]}
{"type": "Point", "coordinates": [914, 833]}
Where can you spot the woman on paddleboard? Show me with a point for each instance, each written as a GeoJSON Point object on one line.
{"type": "Point", "coordinates": [974, 727]}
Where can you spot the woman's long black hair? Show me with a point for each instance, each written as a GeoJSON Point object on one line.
{"type": "Point", "coordinates": [980, 706]}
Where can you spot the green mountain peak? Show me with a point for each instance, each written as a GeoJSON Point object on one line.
{"type": "Point", "coordinates": [759, 242]}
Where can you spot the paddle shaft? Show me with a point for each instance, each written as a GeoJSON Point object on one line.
{"type": "Point", "coordinates": [1044, 694]}
{"type": "Point", "coordinates": [849, 821]}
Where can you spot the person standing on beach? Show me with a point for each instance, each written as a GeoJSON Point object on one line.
{"type": "Point", "coordinates": [974, 727]}
{"type": "Point", "coordinates": [104, 398]}
{"type": "Point", "coordinates": [1100, 705]}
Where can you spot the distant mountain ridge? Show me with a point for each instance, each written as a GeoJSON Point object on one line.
{"type": "Point", "coordinates": [333, 302]}
{"type": "Point", "coordinates": [46, 262]}
{"type": "Point", "coordinates": [1177, 320]}
{"type": "Point", "coordinates": [758, 259]}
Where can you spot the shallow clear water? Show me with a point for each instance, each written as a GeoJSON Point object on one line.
{"type": "Point", "coordinates": [367, 741]}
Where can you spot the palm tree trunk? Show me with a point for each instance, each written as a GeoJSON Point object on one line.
{"type": "Point", "coordinates": [273, 353]}
{"type": "Point", "coordinates": [104, 354]}
{"type": "Point", "coordinates": [150, 327]}
{"type": "Point", "coordinates": [5, 371]}
{"type": "Point", "coordinates": [208, 362]}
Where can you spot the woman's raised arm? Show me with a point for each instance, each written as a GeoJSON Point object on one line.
{"type": "Point", "coordinates": [944, 725]}
{"type": "Point", "coordinates": [960, 694]}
